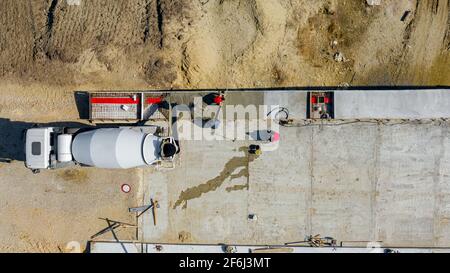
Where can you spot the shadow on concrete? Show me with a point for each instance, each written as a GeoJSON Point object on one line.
{"type": "Point", "coordinates": [12, 137]}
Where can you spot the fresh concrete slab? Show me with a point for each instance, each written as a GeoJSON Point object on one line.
{"type": "Point", "coordinates": [392, 104]}
{"type": "Point", "coordinates": [295, 102]}
{"type": "Point", "coordinates": [355, 182]}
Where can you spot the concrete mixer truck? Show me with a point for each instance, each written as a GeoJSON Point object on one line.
{"type": "Point", "coordinates": [110, 148]}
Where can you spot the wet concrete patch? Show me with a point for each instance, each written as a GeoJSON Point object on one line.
{"type": "Point", "coordinates": [237, 188]}
{"type": "Point", "coordinates": [77, 176]}
{"type": "Point", "coordinates": [184, 236]}
{"type": "Point", "coordinates": [228, 172]}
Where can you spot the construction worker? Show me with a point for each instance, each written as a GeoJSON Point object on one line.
{"type": "Point", "coordinates": [254, 150]}
{"type": "Point", "coordinates": [274, 136]}
{"type": "Point", "coordinates": [265, 135]}
{"type": "Point", "coordinates": [219, 99]}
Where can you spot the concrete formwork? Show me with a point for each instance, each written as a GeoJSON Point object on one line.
{"type": "Point", "coordinates": [132, 247]}
{"type": "Point", "coordinates": [352, 104]}
{"type": "Point", "coordinates": [348, 104]}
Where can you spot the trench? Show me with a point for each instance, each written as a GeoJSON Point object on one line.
{"type": "Point", "coordinates": [51, 15]}
{"type": "Point", "coordinates": [160, 19]}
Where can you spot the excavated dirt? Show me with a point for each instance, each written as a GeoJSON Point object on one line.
{"type": "Point", "coordinates": [50, 49]}
{"type": "Point", "coordinates": [246, 43]}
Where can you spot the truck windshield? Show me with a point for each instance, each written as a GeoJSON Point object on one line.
{"type": "Point", "coordinates": [36, 148]}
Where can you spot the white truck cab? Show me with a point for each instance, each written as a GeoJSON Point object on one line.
{"type": "Point", "coordinates": [39, 147]}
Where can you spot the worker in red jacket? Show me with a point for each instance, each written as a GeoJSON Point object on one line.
{"type": "Point", "coordinates": [219, 99]}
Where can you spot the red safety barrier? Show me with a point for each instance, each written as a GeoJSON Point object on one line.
{"type": "Point", "coordinates": [154, 100]}
{"type": "Point", "coordinates": [115, 100]}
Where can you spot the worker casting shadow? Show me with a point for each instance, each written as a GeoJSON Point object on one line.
{"type": "Point", "coordinates": [162, 107]}
{"type": "Point", "coordinates": [12, 137]}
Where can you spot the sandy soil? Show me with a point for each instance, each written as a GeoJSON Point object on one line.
{"type": "Point", "coordinates": [49, 50]}
{"type": "Point", "coordinates": [58, 210]}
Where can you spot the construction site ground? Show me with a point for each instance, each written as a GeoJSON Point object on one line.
{"type": "Point", "coordinates": [362, 182]}
{"type": "Point", "coordinates": [356, 181]}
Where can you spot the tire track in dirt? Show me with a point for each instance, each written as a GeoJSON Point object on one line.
{"type": "Point", "coordinates": [153, 23]}
{"type": "Point", "coordinates": [147, 19]}
{"type": "Point", "coordinates": [447, 36]}
{"type": "Point", "coordinates": [97, 25]}
{"type": "Point", "coordinates": [160, 22]}
{"type": "Point", "coordinates": [33, 29]}
{"type": "Point", "coordinates": [16, 37]}
{"type": "Point", "coordinates": [50, 24]}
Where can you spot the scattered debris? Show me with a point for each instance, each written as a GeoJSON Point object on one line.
{"type": "Point", "coordinates": [389, 251]}
{"type": "Point", "coordinates": [140, 209]}
{"type": "Point", "coordinates": [273, 250]}
{"type": "Point", "coordinates": [153, 205]}
{"type": "Point", "coordinates": [184, 236]}
{"type": "Point", "coordinates": [339, 57]}
{"type": "Point", "coordinates": [73, 2]}
{"type": "Point", "coordinates": [231, 249]}
{"type": "Point", "coordinates": [71, 247]}
{"type": "Point", "coordinates": [286, 122]}
{"type": "Point", "coordinates": [334, 43]}
{"type": "Point", "coordinates": [373, 2]}
{"type": "Point", "coordinates": [316, 241]}
{"type": "Point", "coordinates": [112, 225]}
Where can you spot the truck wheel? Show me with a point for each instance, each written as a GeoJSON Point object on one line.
{"type": "Point", "coordinates": [35, 171]}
